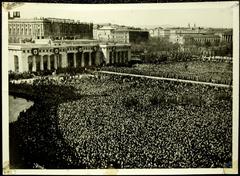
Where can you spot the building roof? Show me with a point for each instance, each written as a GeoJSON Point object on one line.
{"type": "Point", "coordinates": [228, 32]}
{"type": "Point", "coordinates": [201, 36]}
{"type": "Point", "coordinates": [107, 28]}
{"type": "Point", "coordinates": [122, 30]}
{"type": "Point", "coordinates": [41, 19]}
{"type": "Point", "coordinates": [130, 30]}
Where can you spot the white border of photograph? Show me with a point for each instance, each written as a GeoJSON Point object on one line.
{"type": "Point", "coordinates": [234, 5]}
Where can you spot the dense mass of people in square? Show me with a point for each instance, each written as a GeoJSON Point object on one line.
{"type": "Point", "coordinates": [195, 70]}
{"type": "Point", "coordinates": [138, 123]}
{"type": "Point", "coordinates": [126, 122]}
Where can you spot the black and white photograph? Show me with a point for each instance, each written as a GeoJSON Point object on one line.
{"type": "Point", "coordinates": [144, 88]}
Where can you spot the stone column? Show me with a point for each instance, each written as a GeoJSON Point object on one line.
{"type": "Point", "coordinates": [74, 60]}
{"type": "Point", "coordinates": [117, 58]}
{"type": "Point", "coordinates": [121, 57]}
{"type": "Point", "coordinates": [23, 62]}
{"type": "Point", "coordinates": [110, 57]}
{"type": "Point", "coordinates": [113, 57]}
{"type": "Point", "coordinates": [129, 55]}
{"type": "Point", "coordinates": [34, 63]}
{"type": "Point", "coordinates": [64, 60]}
{"type": "Point", "coordinates": [97, 58]}
{"type": "Point", "coordinates": [82, 60]}
{"type": "Point", "coordinates": [90, 59]}
{"type": "Point", "coordinates": [48, 63]}
{"type": "Point", "coordinates": [126, 56]}
{"type": "Point", "coordinates": [55, 61]}
{"type": "Point", "coordinates": [41, 62]}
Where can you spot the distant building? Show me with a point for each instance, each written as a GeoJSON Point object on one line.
{"type": "Point", "coordinates": [21, 30]}
{"type": "Point", "coordinates": [186, 34]}
{"type": "Point", "coordinates": [120, 35]}
{"type": "Point", "coordinates": [156, 32]}
{"type": "Point", "coordinates": [104, 33]}
{"type": "Point", "coordinates": [226, 35]}
{"type": "Point", "coordinates": [160, 32]}
{"type": "Point", "coordinates": [163, 32]}
{"type": "Point", "coordinates": [202, 39]}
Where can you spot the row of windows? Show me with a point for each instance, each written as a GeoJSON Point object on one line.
{"type": "Point", "coordinates": [50, 50]}
{"type": "Point", "coordinates": [26, 25]}
{"type": "Point", "coordinates": [22, 31]}
{"type": "Point", "coordinates": [199, 40]}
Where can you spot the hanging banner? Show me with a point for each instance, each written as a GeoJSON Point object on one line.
{"type": "Point", "coordinates": [35, 51]}
{"type": "Point", "coordinates": [95, 48]}
{"type": "Point", "coordinates": [80, 49]}
{"type": "Point", "coordinates": [56, 50]}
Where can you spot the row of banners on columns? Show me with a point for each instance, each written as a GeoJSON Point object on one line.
{"type": "Point", "coordinates": [72, 59]}
{"type": "Point", "coordinates": [35, 51]}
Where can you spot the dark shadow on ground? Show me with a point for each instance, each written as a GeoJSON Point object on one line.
{"type": "Point", "coordinates": [35, 139]}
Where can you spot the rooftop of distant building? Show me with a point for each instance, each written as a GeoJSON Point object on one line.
{"type": "Point", "coordinates": [44, 19]}
{"type": "Point", "coordinates": [201, 36]}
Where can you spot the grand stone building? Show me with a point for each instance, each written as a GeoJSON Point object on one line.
{"type": "Point", "coordinates": [202, 39]}
{"type": "Point", "coordinates": [120, 35]}
{"type": "Point", "coordinates": [198, 34]}
{"type": "Point", "coordinates": [225, 36]}
{"type": "Point", "coordinates": [51, 55]}
{"type": "Point", "coordinates": [21, 30]}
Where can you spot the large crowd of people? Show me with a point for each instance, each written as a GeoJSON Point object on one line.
{"type": "Point", "coordinates": [195, 70]}
{"type": "Point", "coordinates": [126, 122]}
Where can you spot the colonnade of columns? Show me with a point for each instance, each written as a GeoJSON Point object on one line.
{"type": "Point", "coordinates": [34, 59]}
{"type": "Point", "coordinates": [61, 60]}
{"type": "Point", "coordinates": [49, 61]}
{"type": "Point", "coordinates": [40, 57]}
{"type": "Point", "coordinates": [82, 58]}
{"type": "Point", "coordinates": [227, 38]}
{"type": "Point", "coordinates": [118, 57]}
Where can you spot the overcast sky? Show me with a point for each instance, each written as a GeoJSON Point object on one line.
{"type": "Point", "coordinates": [205, 15]}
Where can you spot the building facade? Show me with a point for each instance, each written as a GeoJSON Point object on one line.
{"type": "Point", "coordinates": [31, 57]}
{"type": "Point", "coordinates": [202, 39]}
{"type": "Point", "coordinates": [182, 34]}
{"type": "Point", "coordinates": [160, 32]}
{"type": "Point", "coordinates": [225, 36]}
{"type": "Point", "coordinates": [120, 35]}
{"type": "Point", "coordinates": [21, 30]}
